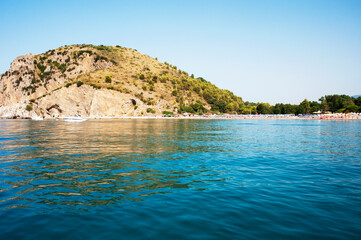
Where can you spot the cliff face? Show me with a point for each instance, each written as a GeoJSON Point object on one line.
{"type": "Point", "coordinates": [100, 81]}
{"type": "Point", "coordinates": [31, 78]}
{"type": "Point", "coordinates": [20, 74]}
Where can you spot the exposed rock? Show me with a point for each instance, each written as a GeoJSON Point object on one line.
{"type": "Point", "coordinates": [100, 81]}
{"type": "Point", "coordinates": [19, 76]}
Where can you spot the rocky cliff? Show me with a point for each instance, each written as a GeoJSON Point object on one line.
{"type": "Point", "coordinates": [102, 81]}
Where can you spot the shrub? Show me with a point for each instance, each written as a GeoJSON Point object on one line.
{"type": "Point", "coordinates": [197, 89]}
{"type": "Point", "coordinates": [79, 83]}
{"type": "Point", "coordinates": [174, 92]}
{"type": "Point", "coordinates": [95, 86]}
{"type": "Point", "coordinates": [167, 113]}
{"type": "Point", "coordinates": [81, 52]}
{"type": "Point", "coordinates": [19, 80]}
{"type": "Point", "coordinates": [61, 67]}
{"type": "Point", "coordinates": [108, 79]}
{"type": "Point", "coordinates": [68, 85]}
{"type": "Point", "coordinates": [101, 47]}
{"type": "Point", "coordinates": [141, 76]}
{"type": "Point", "coordinates": [97, 58]}
{"type": "Point", "coordinates": [135, 107]}
{"type": "Point", "coordinates": [144, 88]}
{"type": "Point", "coordinates": [28, 108]}
{"type": "Point", "coordinates": [187, 109]}
{"type": "Point", "coordinates": [41, 67]}
{"type": "Point", "coordinates": [150, 110]}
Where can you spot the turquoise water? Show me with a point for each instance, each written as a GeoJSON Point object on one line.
{"type": "Point", "coordinates": [180, 179]}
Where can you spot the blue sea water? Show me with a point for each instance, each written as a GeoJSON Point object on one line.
{"type": "Point", "coordinates": [180, 179]}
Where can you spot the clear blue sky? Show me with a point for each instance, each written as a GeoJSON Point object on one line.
{"type": "Point", "coordinates": [264, 51]}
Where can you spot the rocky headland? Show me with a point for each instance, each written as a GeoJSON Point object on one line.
{"type": "Point", "coordinates": [103, 81]}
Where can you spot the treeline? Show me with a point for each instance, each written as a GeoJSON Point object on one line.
{"type": "Point", "coordinates": [224, 101]}
{"type": "Point", "coordinates": [329, 103]}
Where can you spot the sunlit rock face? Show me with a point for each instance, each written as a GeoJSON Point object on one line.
{"type": "Point", "coordinates": [103, 81]}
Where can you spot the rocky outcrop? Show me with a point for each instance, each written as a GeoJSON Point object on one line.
{"type": "Point", "coordinates": [103, 81]}
{"type": "Point", "coordinates": [90, 102]}
{"type": "Point", "coordinates": [30, 78]}
{"type": "Point", "coordinates": [12, 82]}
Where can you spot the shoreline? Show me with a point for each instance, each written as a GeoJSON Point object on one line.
{"type": "Point", "coordinates": [336, 116]}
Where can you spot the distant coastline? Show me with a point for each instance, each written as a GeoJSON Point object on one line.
{"type": "Point", "coordinates": [333, 116]}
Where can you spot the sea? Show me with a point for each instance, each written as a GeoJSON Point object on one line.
{"type": "Point", "coordinates": [180, 179]}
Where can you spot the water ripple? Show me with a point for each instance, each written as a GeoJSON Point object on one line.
{"type": "Point", "coordinates": [180, 179]}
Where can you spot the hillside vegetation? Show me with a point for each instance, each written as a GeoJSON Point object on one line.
{"type": "Point", "coordinates": [162, 87]}
{"type": "Point", "coordinates": [105, 81]}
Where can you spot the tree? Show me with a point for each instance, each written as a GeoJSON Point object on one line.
{"type": "Point", "coordinates": [304, 107]}
{"type": "Point", "coordinates": [231, 107]}
{"type": "Point", "coordinates": [336, 102]}
{"type": "Point", "coordinates": [264, 108]}
{"type": "Point", "coordinates": [198, 107]}
{"type": "Point", "coordinates": [186, 109]}
{"type": "Point", "coordinates": [289, 109]}
{"type": "Point", "coordinates": [315, 107]}
{"type": "Point", "coordinates": [277, 109]}
{"type": "Point", "coordinates": [357, 101]}
{"type": "Point", "coordinates": [352, 108]}
{"type": "Point", "coordinates": [324, 105]}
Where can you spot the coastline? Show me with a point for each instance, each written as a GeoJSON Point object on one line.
{"type": "Point", "coordinates": [247, 117]}
{"type": "Point", "coordinates": [335, 116]}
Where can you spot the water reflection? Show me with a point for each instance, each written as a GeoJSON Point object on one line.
{"type": "Point", "coordinates": [291, 179]}
{"type": "Point", "coordinates": [99, 162]}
